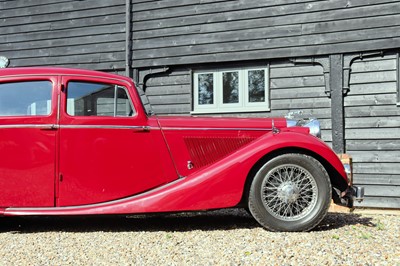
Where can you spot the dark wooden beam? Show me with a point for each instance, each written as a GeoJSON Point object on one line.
{"type": "Point", "coordinates": [337, 106]}
{"type": "Point", "coordinates": [398, 78]}
{"type": "Point", "coordinates": [128, 38]}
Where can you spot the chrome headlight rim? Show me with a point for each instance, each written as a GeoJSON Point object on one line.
{"type": "Point", "coordinates": [312, 123]}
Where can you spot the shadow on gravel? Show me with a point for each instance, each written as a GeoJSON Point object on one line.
{"type": "Point", "coordinates": [189, 221]}
{"type": "Point", "coordinates": [337, 220]}
{"type": "Point", "coordinates": [205, 221]}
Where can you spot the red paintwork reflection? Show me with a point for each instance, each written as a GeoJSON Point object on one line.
{"type": "Point", "coordinates": [27, 167]}
{"type": "Point", "coordinates": [28, 155]}
{"type": "Point", "coordinates": [113, 160]}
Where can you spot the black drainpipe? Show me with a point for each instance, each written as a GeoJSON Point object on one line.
{"type": "Point", "coordinates": [128, 39]}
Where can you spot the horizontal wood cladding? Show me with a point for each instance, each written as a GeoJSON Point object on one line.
{"type": "Point", "coordinates": [86, 34]}
{"type": "Point", "coordinates": [19, 9]}
{"type": "Point", "coordinates": [6, 4]}
{"type": "Point", "coordinates": [189, 32]}
{"type": "Point", "coordinates": [170, 93]}
{"type": "Point", "coordinates": [321, 20]}
{"type": "Point", "coordinates": [381, 179]}
{"type": "Point", "coordinates": [372, 121]}
{"type": "Point", "coordinates": [381, 202]}
{"type": "Point", "coordinates": [298, 88]}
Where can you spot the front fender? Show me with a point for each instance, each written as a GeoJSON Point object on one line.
{"type": "Point", "coordinates": [287, 140]}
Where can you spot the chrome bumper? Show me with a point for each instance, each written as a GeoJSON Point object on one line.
{"type": "Point", "coordinates": [355, 193]}
{"type": "Point", "coordinates": [347, 198]}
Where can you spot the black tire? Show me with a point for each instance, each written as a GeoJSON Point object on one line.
{"type": "Point", "coordinates": [291, 192]}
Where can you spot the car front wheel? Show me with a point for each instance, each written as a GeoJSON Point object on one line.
{"type": "Point", "coordinates": [291, 192]}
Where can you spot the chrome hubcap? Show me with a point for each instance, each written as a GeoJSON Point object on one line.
{"type": "Point", "coordinates": [289, 192]}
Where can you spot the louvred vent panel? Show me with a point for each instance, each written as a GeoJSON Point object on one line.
{"type": "Point", "coordinates": [207, 150]}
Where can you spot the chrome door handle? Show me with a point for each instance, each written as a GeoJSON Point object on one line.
{"type": "Point", "coordinates": [141, 128]}
{"type": "Point", "coordinates": [49, 127]}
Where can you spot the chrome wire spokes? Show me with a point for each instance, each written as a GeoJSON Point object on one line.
{"type": "Point", "coordinates": [289, 192]}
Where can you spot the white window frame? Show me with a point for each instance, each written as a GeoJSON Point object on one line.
{"type": "Point", "coordinates": [243, 105]}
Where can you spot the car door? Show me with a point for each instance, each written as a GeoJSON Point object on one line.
{"type": "Point", "coordinates": [28, 114]}
{"type": "Point", "coordinates": [108, 150]}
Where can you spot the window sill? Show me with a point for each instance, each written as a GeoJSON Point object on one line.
{"type": "Point", "coordinates": [224, 111]}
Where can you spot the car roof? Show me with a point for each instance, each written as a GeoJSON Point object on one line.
{"type": "Point", "coordinates": [58, 71]}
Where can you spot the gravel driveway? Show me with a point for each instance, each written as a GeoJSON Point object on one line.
{"type": "Point", "coordinates": [227, 237]}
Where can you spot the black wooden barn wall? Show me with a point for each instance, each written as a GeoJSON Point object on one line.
{"type": "Point", "coordinates": [86, 34]}
{"type": "Point", "coordinates": [372, 122]}
{"type": "Point", "coordinates": [175, 37]}
{"type": "Point", "coordinates": [203, 31]}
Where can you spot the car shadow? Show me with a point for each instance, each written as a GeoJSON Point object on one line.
{"type": "Point", "coordinates": [188, 221]}
{"type": "Point", "coordinates": [229, 219]}
{"type": "Point", "coordinates": [338, 220]}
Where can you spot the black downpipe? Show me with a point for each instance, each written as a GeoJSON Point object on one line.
{"type": "Point", "coordinates": [128, 39]}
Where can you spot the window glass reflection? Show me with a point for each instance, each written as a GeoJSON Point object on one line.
{"type": "Point", "coordinates": [96, 99]}
{"type": "Point", "coordinates": [206, 88]}
{"type": "Point", "coordinates": [30, 98]}
{"type": "Point", "coordinates": [256, 85]}
{"type": "Point", "coordinates": [230, 87]}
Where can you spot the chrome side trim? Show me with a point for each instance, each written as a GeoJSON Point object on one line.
{"type": "Point", "coordinates": [216, 128]}
{"type": "Point", "coordinates": [54, 126]}
{"type": "Point", "coordinates": [144, 128]}
{"type": "Point", "coordinates": [38, 126]}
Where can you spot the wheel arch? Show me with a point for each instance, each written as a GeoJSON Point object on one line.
{"type": "Point", "coordinates": [335, 177]}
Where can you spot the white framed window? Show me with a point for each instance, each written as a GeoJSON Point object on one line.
{"type": "Point", "coordinates": [231, 90]}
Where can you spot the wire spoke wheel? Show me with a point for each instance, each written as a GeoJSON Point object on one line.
{"type": "Point", "coordinates": [289, 192]}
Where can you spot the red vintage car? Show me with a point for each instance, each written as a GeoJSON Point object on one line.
{"type": "Point", "coordinates": [79, 142]}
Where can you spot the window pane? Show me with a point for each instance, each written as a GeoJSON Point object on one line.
{"type": "Point", "coordinates": [96, 99]}
{"type": "Point", "coordinates": [206, 88]}
{"type": "Point", "coordinates": [29, 98]}
{"type": "Point", "coordinates": [230, 87]}
{"type": "Point", "coordinates": [256, 85]}
{"type": "Point", "coordinates": [124, 107]}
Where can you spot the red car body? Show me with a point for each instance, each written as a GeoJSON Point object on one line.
{"type": "Point", "coordinates": [63, 164]}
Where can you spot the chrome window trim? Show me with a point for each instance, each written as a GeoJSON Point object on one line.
{"type": "Point", "coordinates": [116, 87]}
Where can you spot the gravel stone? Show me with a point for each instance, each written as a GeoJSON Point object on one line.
{"type": "Point", "coordinates": [224, 237]}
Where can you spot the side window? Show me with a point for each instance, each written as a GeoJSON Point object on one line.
{"type": "Point", "coordinates": [98, 99]}
{"type": "Point", "coordinates": [28, 98]}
